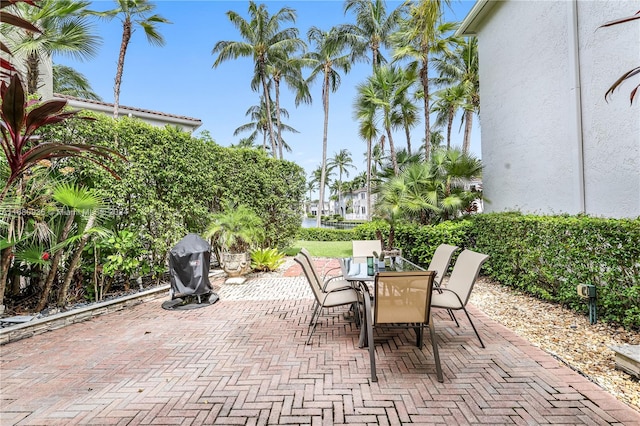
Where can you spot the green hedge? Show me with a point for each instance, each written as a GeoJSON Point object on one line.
{"type": "Point", "coordinates": [325, 234]}
{"type": "Point", "coordinates": [548, 256]}
{"type": "Point", "coordinates": [173, 182]}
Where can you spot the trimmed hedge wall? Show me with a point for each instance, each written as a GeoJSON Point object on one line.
{"type": "Point", "coordinates": [545, 256]}
{"type": "Point", "coordinates": [548, 256]}
{"type": "Point", "coordinates": [325, 234]}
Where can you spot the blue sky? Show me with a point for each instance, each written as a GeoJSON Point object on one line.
{"type": "Point", "coordinates": [179, 79]}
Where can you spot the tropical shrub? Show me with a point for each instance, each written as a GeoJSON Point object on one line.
{"type": "Point", "coordinates": [266, 260]}
{"type": "Point", "coordinates": [237, 229]}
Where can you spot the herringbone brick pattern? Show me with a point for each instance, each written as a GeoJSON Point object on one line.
{"type": "Point", "coordinates": [243, 361]}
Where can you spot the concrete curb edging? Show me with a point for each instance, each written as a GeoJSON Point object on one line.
{"type": "Point", "coordinates": [62, 319]}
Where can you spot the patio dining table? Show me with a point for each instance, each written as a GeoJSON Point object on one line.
{"type": "Point", "coordinates": [362, 277]}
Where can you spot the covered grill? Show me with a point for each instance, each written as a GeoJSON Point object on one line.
{"type": "Point", "coordinates": [189, 268]}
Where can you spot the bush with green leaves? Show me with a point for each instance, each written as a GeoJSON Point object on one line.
{"type": "Point", "coordinates": [174, 182]}
{"type": "Point", "coordinates": [266, 260]}
{"type": "Point", "coordinates": [325, 234]}
{"type": "Point", "coordinates": [549, 256]}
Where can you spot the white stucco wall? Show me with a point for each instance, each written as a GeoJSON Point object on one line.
{"type": "Point", "coordinates": [611, 130]}
{"type": "Point", "coordinates": [530, 145]}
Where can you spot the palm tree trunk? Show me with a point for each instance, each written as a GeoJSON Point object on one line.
{"type": "Point", "coordinates": [126, 37]}
{"type": "Point", "coordinates": [5, 261]}
{"type": "Point", "coordinates": [267, 102]}
{"type": "Point", "coordinates": [392, 153]}
{"type": "Point", "coordinates": [424, 78]}
{"type": "Point", "coordinates": [33, 73]}
{"type": "Point", "coordinates": [62, 300]}
{"type": "Point", "coordinates": [407, 134]}
{"type": "Point", "coordinates": [468, 122]}
{"type": "Point", "coordinates": [278, 124]}
{"type": "Point", "coordinates": [449, 127]}
{"type": "Point", "coordinates": [48, 284]}
{"type": "Point", "coordinates": [340, 193]}
{"type": "Point", "coordinates": [323, 174]}
{"type": "Point", "coordinates": [369, 143]}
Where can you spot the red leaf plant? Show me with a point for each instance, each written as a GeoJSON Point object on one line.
{"type": "Point", "coordinates": [18, 124]}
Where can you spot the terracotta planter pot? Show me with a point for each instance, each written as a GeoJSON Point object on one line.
{"type": "Point", "coordinates": [236, 264]}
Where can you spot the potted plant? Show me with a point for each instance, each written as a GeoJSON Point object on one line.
{"type": "Point", "coordinates": [233, 233]}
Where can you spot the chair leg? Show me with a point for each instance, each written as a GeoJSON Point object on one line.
{"type": "Point", "coordinates": [452, 316]}
{"type": "Point", "coordinates": [436, 354]}
{"type": "Point", "coordinates": [315, 323]}
{"type": "Point", "coordinates": [368, 323]}
{"type": "Point", "coordinates": [316, 306]}
{"type": "Point", "coordinates": [419, 336]}
{"type": "Point", "coordinates": [474, 327]}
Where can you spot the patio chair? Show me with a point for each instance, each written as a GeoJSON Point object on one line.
{"type": "Point", "coordinates": [329, 282]}
{"type": "Point", "coordinates": [342, 296]}
{"type": "Point", "coordinates": [361, 249]}
{"type": "Point", "coordinates": [458, 290]}
{"type": "Point", "coordinates": [401, 300]}
{"type": "Point", "coordinates": [440, 262]}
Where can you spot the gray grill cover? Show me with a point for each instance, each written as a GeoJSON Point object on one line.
{"type": "Point", "coordinates": [189, 267]}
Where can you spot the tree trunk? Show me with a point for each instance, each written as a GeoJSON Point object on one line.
{"type": "Point", "coordinates": [392, 153]}
{"type": "Point", "coordinates": [424, 78]}
{"type": "Point", "coordinates": [278, 124]}
{"type": "Point", "coordinates": [33, 73]}
{"type": "Point", "coordinates": [323, 174]}
{"type": "Point", "coordinates": [5, 262]}
{"type": "Point", "coordinates": [126, 37]}
{"type": "Point", "coordinates": [407, 133]}
{"type": "Point", "coordinates": [62, 300]}
{"type": "Point", "coordinates": [449, 126]}
{"type": "Point", "coordinates": [48, 284]}
{"type": "Point", "coordinates": [468, 122]}
{"type": "Point", "coordinates": [369, 143]}
{"type": "Point", "coordinates": [267, 102]}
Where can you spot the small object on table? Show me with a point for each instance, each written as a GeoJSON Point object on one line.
{"type": "Point", "coordinates": [370, 269]}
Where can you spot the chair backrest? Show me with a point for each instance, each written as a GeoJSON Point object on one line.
{"type": "Point", "coordinates": [363, 248]}
{"type": "Point", "coordinates": [465, 272]}
{"type": "Point", "coordinates": [314, 283]}
{"type": "Point", "coordinates": [441, 260]}
{"type": "Point", "coordinates": [403, 297]}
{"type": "Point", "coordinates": [307, 255]}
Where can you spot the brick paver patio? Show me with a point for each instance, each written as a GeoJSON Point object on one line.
{"type": "Point", "coordinates": [243, 361]}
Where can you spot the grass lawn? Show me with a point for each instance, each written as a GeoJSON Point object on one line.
{"type": "Point", "coordinates": [321, 248]}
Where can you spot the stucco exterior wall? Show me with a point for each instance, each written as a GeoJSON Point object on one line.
{"type": "Point", "coordinates": [530, 115]}
{"type": "Point", "coordinates": [611, 130]}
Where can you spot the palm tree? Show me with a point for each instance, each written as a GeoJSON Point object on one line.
{"type": "Point", "coordinates": [68, 81]}
{"type": "Point", "coordinates": [405, 115]}
{"type": "Point", "coordinates": [453, 170]}
{"type": "Point", "coordinates": [64, 30]}
{"type": "Point", "coordinates": [311, 186]}
{"type": "Point", "coordinates": [327, 59]}
{"type": "Point", "coordinates": [343, 162]}
{"type": "Point", "coordinates": [262, 40]}
{"type": "Point", "coordinates": [430, 191]}
{"type": "Point", "coordinates": [133, 13]}
{"type": "Point", "coordinates": [76, 199]}
{"type": "Point", "coordinates": [390, 87]}
{"type": "Point", "coordinates": [418, 38]}
{"type": "Point", "coordinates": [286, 66]}
{"type": "Point", "coordinates": [461, 70]}
{"type": "Point", "coordinates": [373, 27]}
{"type": "Point", "coordinates": [447, 104]}
{"type": "Point", "coordinates": [365, 113]}
{"type": "Point", "coordinates": [258, 113]}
